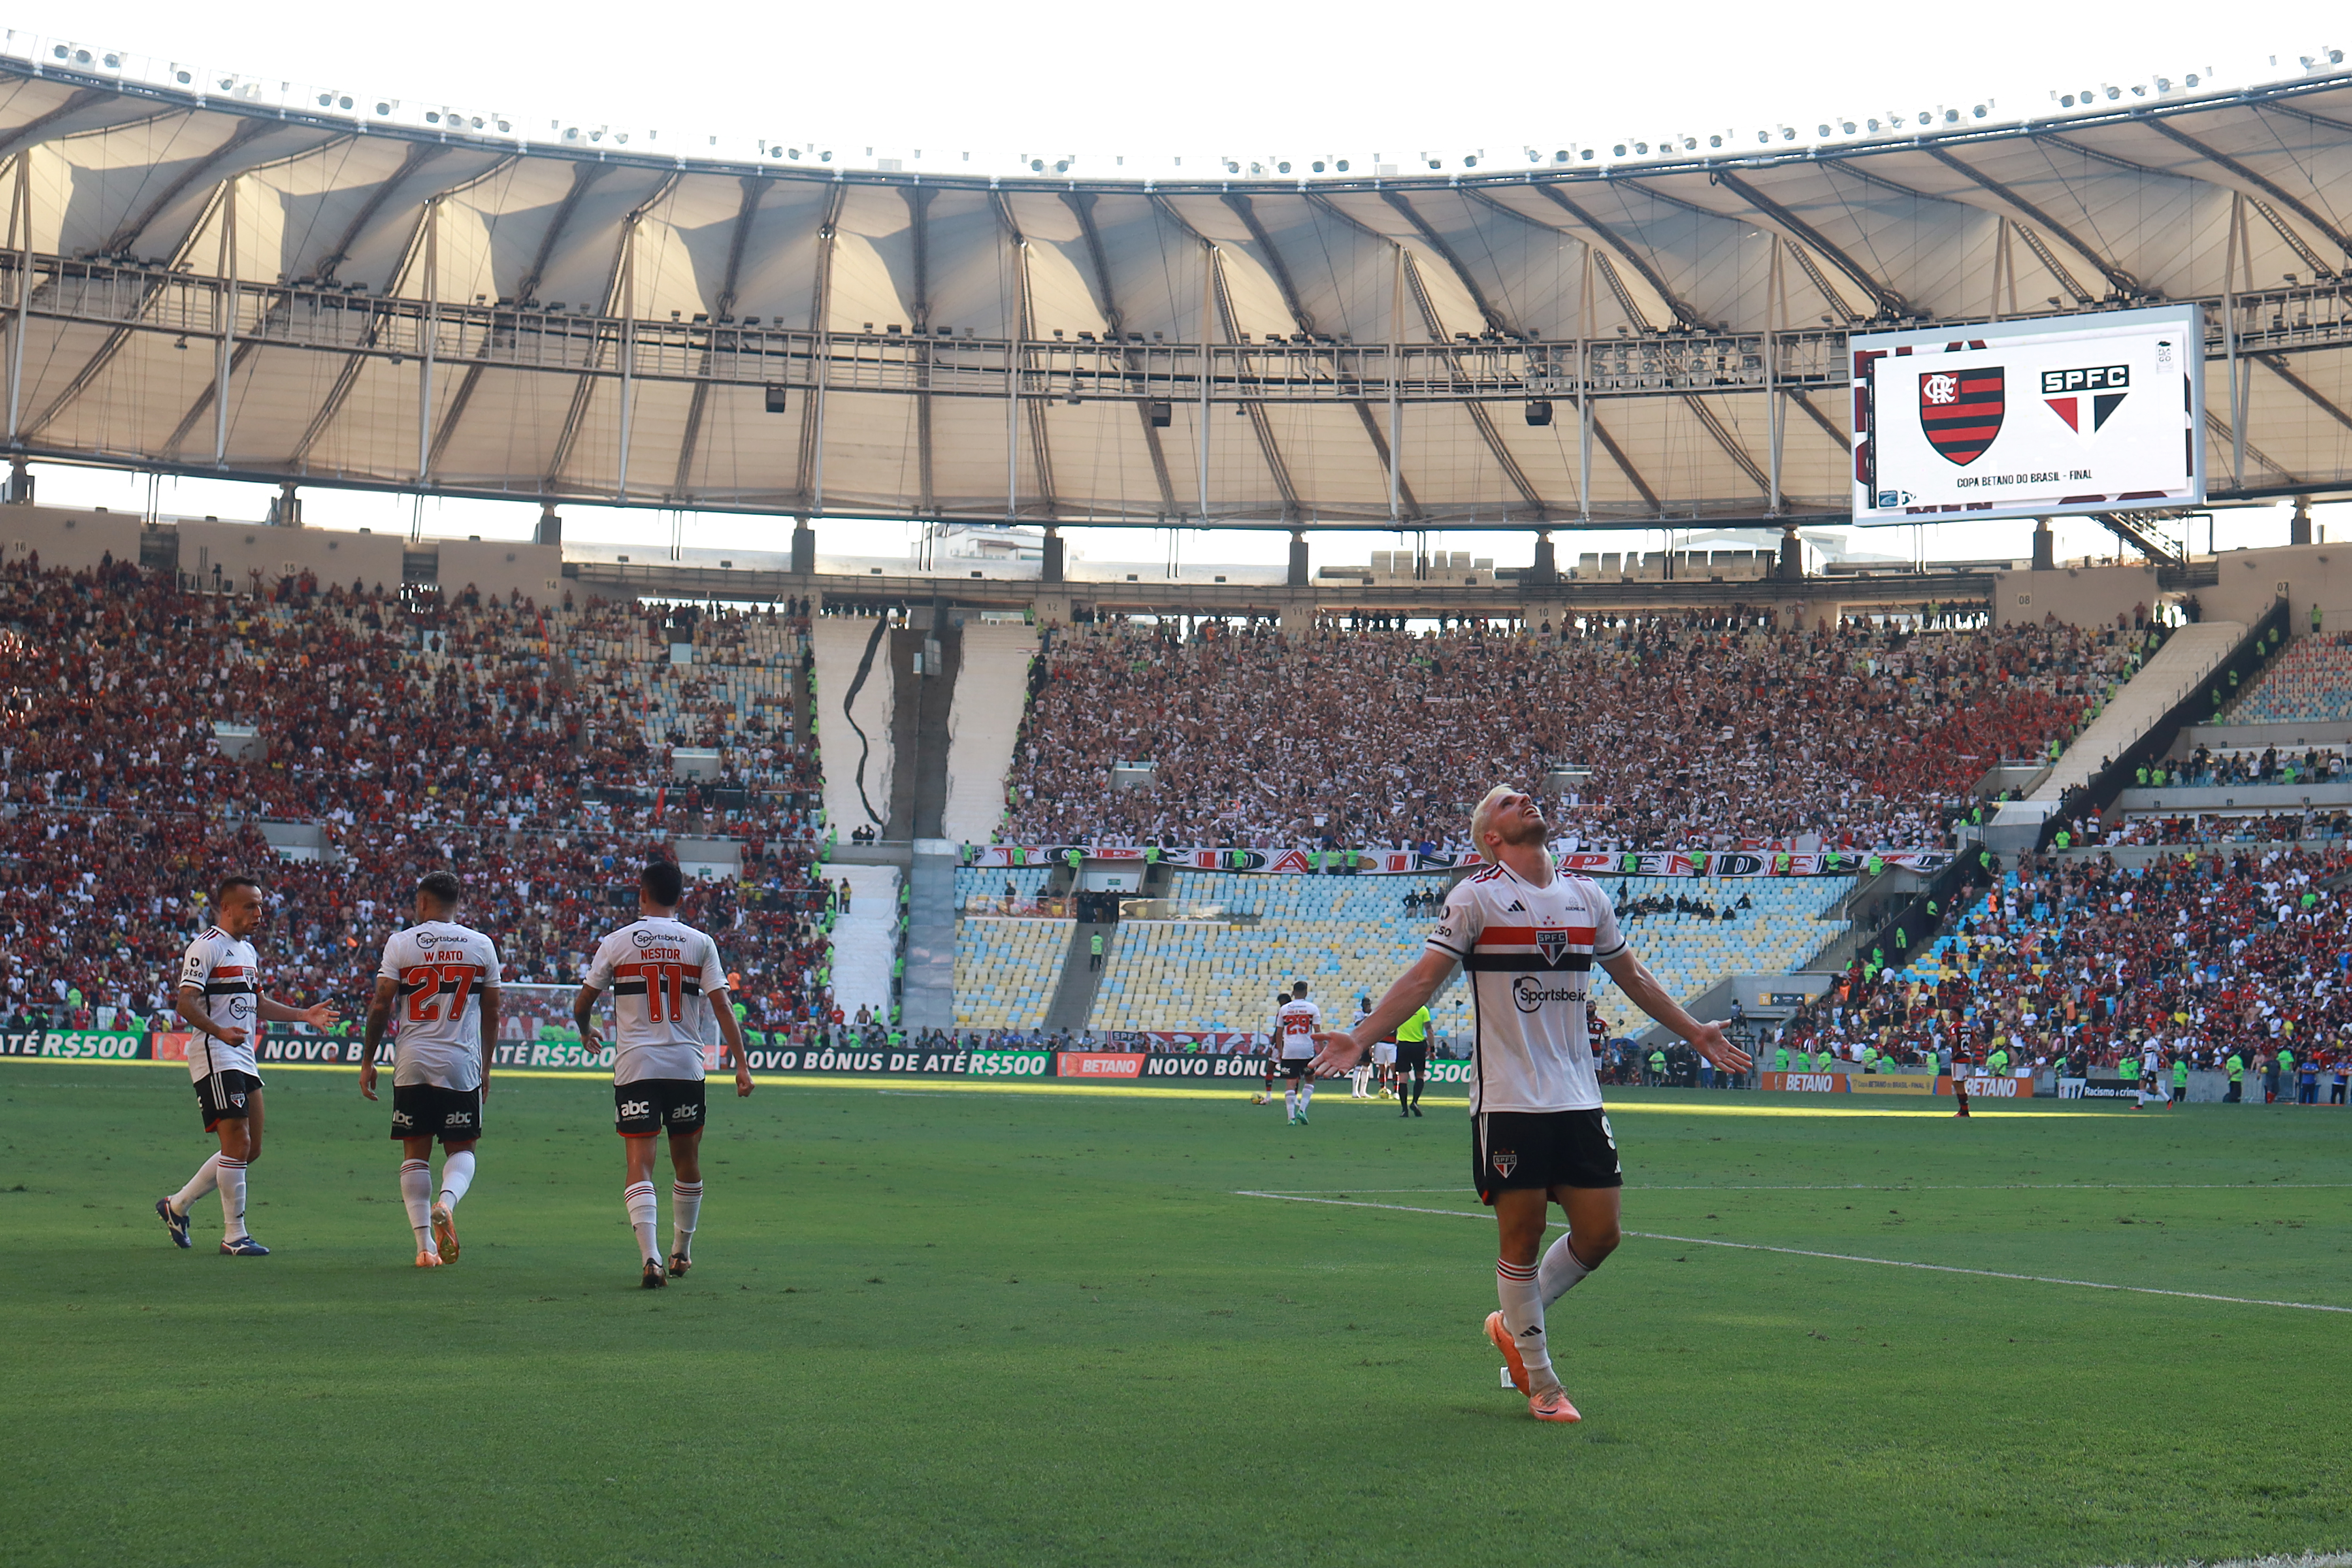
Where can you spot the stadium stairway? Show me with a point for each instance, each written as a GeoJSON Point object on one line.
{"type": "Point", "coordinates": [1074, 999]}
{"type": "Point", "coordinates": [927, 665]}
{"type": "Point", "coordinates": [990, 696]}
{"type": "Point", "coordinates": [927, 999]}
{"type": "Point", "coordinates": [858, 772]}
{"type": "Point", "coordinates": [2186, 659]}
{"type": "Point", "coordinates": [865, 941]}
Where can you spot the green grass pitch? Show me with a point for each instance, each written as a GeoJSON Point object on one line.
{"type": "Point", "coordinates": [935, 1325]}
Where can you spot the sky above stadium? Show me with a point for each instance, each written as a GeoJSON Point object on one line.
{"type": "Point", "coordinates": [1248, 78]}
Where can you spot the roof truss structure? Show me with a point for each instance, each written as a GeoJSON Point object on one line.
{"type": "Point", "coordinates": [374, 301]}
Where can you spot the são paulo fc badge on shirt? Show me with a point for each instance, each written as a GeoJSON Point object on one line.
{"type": "Point", "coordinates": [1551, 942]}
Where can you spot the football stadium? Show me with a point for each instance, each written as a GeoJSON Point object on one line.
{"type": "Point", "coordinates": [969, 681]}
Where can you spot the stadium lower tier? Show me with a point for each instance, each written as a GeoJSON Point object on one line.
{"type": "Point", "coordinates": [2210, 952]}
{"type": "Point", "coordinates": [1349, 937]}
{"type": "Point", "coordinates": [2310, 682]}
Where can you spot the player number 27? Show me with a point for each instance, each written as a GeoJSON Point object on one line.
{"type": "Point", "coordinates": [425, 984]}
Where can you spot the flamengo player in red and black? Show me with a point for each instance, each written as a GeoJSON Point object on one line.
{"type": "Point", "coordinates": [219, 997]}
{"type": "Point", "coordinates": [1528, 936]}
{"type": "Point", "coordinates": [668, 985]}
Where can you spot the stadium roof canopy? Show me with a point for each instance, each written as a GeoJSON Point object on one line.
{"type": "Point", "coordinates": [422, 299]}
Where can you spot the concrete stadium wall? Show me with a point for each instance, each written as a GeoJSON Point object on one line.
{"type": "Point", "coordinates": [240, 549]}
{"type": "Point", "coordinates": [2250, 580]}
{"type": "Point", "coordinates": [2082, 595]}
{"type": "Point", "coordinates": [2305, 574]}
{"type": "Point", "coordinates": [498, 569]}
{"type": "Point", "coordinates": [76, 541]}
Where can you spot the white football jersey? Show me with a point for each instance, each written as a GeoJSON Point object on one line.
{"type": "Point", "coordinates": [1300, 1019]}
{"type": "Point", "coordinates": [226, 974]}
{"type": "Point", "coordinates": [1528, 952]}
{"type": "Point", "coordinates": [440, 968]}
{"type": "Point", "coordinates": [661, 972]}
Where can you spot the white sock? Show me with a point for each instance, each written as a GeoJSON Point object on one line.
{"type": "Point", "coordinates": [206, 1178]}
{"type": "Point", "coordinates": [1290, 1099]}
{"type": "Point", "coordinates": [417, 1196]}
{"type": "Point", "coordinates": [643, 1213]}
{"type": "Point", "coordinates": [1523, 1315]}
{"type": "Point", "coordinates": [232, 1196]}
{"type": "Point", "coordinates": [1305, 1096]}
{"type": "Point", "coordinates": [1560, 1271]}
{"type": "Point", "coordinates": [457, 1176]}
{"type": "Point", "coordinates": [685, 1207]}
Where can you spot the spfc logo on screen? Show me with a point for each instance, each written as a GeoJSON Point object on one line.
{"type": "Point", "coordinates": [1960, 410]}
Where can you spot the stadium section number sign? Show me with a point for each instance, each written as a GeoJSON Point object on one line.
{"type": "Point", "coordinates": [2029, 418]}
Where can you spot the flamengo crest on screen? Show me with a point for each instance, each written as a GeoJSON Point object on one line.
{"type": "Point", "coordinates": [1961, 413]}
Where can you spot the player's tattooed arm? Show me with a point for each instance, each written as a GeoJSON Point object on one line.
{"type": "Point", "coordinates": [1338, 1050]}
{"type": "Point", "coordinates": [1644, 989]}
{"type": "Point", "coordinates": [379, 1013]}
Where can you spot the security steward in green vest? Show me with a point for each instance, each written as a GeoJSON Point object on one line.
{"type": "Point", "coordinates": [1412, 1061]}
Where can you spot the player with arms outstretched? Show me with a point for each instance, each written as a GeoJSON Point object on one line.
{"type": "Point", "coordinates": [667, 984]}
{"type": "Point", "coordinates": [1528, 936]}
{"type": "Point", "coordinates": [445, 979]}
{"type": "Point", "coordinates": [1296, 1025]}
{"type": "Point", "coordinates": [219, 997]}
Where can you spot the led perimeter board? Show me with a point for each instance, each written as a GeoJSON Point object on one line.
{"type": "Point", "coordinates": [2029, 418]}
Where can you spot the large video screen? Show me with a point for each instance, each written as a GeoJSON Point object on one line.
{"type": "Point", "coordinates": [2028, 418]}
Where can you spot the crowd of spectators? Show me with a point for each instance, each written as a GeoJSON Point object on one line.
{"type": "Point", "coordinates": [2207, 768]}
{"type": "Point", "coordinates": [2080, 963]}
{"type": "Point", "coordinates": [1684, 730]}
{"type": "Point", "coordinates": [152, 737]}
{"type": "Point", "coordinates": [2216, 828]}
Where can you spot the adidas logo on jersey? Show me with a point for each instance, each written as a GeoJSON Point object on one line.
{"type": "Point", "coordinates": [1515, 908]}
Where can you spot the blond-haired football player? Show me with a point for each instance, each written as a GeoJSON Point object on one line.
{"type": "Point", "coordinates": [1528, 937]}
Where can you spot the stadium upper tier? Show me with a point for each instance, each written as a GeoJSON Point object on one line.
{"type": "Point", "coordinates": [152, 739]}
{"type": "Point", "coordinates": [1661, 732]}
{"type": "Point", "coordinates": [217, 274]}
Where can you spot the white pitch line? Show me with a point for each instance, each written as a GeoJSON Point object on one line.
{"type": "Point", "coordinates": [1916, 1187]}
{"type": "Point", "coordinates": [1839, 1257]}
